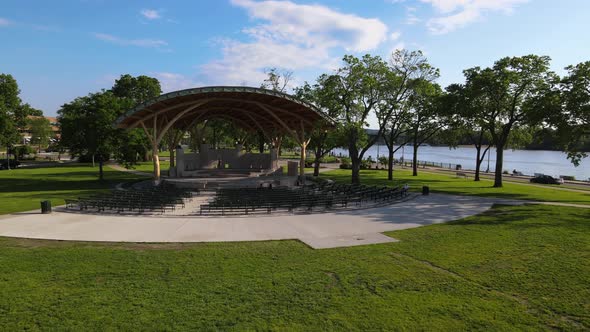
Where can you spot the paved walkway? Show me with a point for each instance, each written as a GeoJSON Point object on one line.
{"type": "Point", "coordinates": [327, 230]}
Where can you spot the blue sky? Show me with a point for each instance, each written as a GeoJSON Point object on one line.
{"type": "Point", "coordinates": [58, 50]}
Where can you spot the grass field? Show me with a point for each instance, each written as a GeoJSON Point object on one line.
{"type": "Point", "coordinates": [148, 166]}
{"type": "Point", "coordinates": [22, 189]}
{"type": "Point", "coordinates": [513, 268]}
{"type": "Point", "coordinates": [444, 183]}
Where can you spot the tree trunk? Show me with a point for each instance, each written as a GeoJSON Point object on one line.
{"type": "Point", "coordinates": [316, 164]}
{"type": "Point", "coordinates": [415, 160]}
{"type": "Point", "coordinates": [356, 166]}
{"type": "Point", "coordinates": [100, 170]}
{"type": "Point", "coordinates": [8, 157]}
{"type": "Point", "coordinates": [93, 161]}
{"type": "Point", "coordinates": [390, 165]}
{"type": "Point", "coordinates": [499, 165]}
{"type": "Point", "coordinates": [261, 142]}
{"type": "Point", "coordinates": [477, 162]}
{"type": "Point", "coordinates": [172, 157]}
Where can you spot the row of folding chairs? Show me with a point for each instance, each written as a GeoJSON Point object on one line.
{"type": "Point", "coordinates": [327, 196]}
{"type": "Point", "coordinates": [158, 199]}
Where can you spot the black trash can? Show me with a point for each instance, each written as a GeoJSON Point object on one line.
{"type": "Point", "coordinates": [425, 190]}
{"type": "Point", "coordinates": [458, 167]}
{"type": "Point", "coordinates": [45, 207]}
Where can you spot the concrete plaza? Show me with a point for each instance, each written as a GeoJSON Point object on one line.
{"type": "Point", "coordinates": [324, 230]}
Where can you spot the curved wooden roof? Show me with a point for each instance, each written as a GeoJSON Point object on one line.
{"type": "Point", "coordinates": [251, 108]}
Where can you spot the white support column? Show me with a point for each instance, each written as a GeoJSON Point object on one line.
{"type": "Point", "coordinates": [155, 156]}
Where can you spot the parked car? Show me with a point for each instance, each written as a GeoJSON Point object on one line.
{"type": "Point", "coordinates": [13, 164]}
{"type": "Point", "coordinates": [545, 179]}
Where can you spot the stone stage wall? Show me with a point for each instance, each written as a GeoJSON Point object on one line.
{"type": "Point", "coordinates": [208, 158]}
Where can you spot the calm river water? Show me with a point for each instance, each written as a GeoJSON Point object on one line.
{"type": "Point", "coordinates": [528, 162]}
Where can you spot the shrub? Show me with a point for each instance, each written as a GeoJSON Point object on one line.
{"type": "Point", "coordinates": [23, 150]}
{"type": "Point", "coordinates": [383, 160]}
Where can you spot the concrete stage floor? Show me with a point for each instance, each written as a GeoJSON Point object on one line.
{"type": "Point", "coordinates": [325, 230]}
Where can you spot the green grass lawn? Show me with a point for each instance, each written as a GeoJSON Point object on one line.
{"type": "Point", "coordinates": [148, 166]}
{"type": "Point", "coordinates": [513, 268]}
{"type": "Point", "coordinates": [444, 183]}
{"type": "Point", "coordinates": [22, 189]}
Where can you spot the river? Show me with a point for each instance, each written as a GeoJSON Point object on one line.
{"type": "Point", "coordinates": [528, 162]}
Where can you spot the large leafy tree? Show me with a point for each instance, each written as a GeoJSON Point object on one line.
{"type": "Point", "coordinates": [361, 87]}
{"type": "Point", "coordinates": [323, 95]}
{"type": "Point", "coordinates": [134, 91]}
{"type": "Point", "coordinates": [513, 86]}
{"type": "Point", "coordinates": [470, 108]}
{"type": "Point", "coordinates": [86, 123]}
{"type": "Point", "coordinates": [406, 69]}
{"type": "Point", "coordinates": [574, 122]}
{"type": "Point", "coordinates": [137, 89]}
{"type": "Point", "coordinates": [13, 113]}
{"type": "Point", "coordinates": [87, 126]}
{"type": "Point", "coordinates": [427, 116]}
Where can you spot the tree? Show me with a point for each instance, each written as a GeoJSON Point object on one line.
{"type": "Point", "coordinates": [471, 108]}
{"type": "Point", "coordinates": [134, 91]}
{"type": "Point", "coordinates": [276, 80]}
{"type": "Point", "coordinates": [138, 89]}
{"type": "Point", "coordinates": [427, 116]}
{"type": "Point", "coordinates": [172, 139]}
{"type": "Point", "coordinates": [323, 95]}
{"type": "Point", "coordinates": [406, 68]}
{"type": "Point", "coordinates": [86, 123]}
{"type": "Point", "coordinates": [574, 122]}
{"type": "Point", "coordinates": [40, 131]}
{"type": "Point", "coordinates": [13, 113]}
{"type": "Point", "coordinates": [512, 86]}
{"type": "Point", "coordinates": [87, 126]}
{"type": "Point", "coordinates": [361, 85]}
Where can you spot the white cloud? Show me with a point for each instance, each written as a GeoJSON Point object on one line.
{"type": "Point", "coordinates": [314, 24]}
{"type": "Point", "coordinates": [4, 22]}
{"type": "Point", "coordinates": [395, 35]}
{"type": "Point", "coordinates": [412, 19]}
{"type": "Point", "coordinates": [173, 82]}
{"type": "Point", "coordinates": [291, 36]}
{"type": "Point", "coordinates": [150, 43]}
{"type": "Point", "coordinates": [150, 14]}
{"type": "Point", "coordinates": [456, 14]}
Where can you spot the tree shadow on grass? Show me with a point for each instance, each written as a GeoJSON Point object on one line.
{"type": "Point", "coordinates": [520, 217]}
{"type": "Point", "coordinates": [57, 184]}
